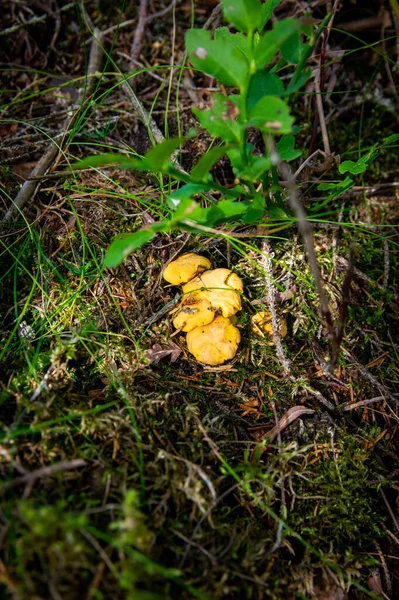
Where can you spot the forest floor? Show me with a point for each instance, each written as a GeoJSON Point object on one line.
{"type": "Point", "coordinates": [128, 469]}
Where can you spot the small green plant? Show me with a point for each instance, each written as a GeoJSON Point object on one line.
{"type": "Point", "coordinates": [352, 170]}
{"type": "Point", "coordinates": [250, 62]}
{"type": "Point", "coordinates": [242, 61]}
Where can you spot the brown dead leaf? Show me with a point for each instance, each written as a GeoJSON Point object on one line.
{"type": "Point", "coordinates": [335, 593]}
{"type": "Point", "coordinates": [158, 352]}
{"type": "Point", "coordinates": [289, 417]}
{"type": "Point", "coordinates": [375, 583]}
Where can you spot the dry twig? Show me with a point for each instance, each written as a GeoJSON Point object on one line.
{"type": "Point", "coordinates": [139, 31]}
{"type": "Point", "coordinates": [35, 20]}
{"type": "Point", "coordinates": [48, 471]}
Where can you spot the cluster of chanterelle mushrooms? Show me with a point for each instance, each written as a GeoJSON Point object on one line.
{"type": "Point", "coordinates": [211, 298]}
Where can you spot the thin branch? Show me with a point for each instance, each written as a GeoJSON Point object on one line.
{"type": "Point", "coordinates": [362, 403]}
{"type": "Point", "coordinates": [384, 391]}
{"type": "Point", "coordinates": [343, 308]}
{"type": "Point", "coordinates": [161, 13]}
{"type": "Point", "coordinates": [48, 471]}
{"type": "Point", "coordinates": [320, 110]}
{"type": "Point", "coordinates": [214, 15]}
{"type": "Point", "coordinates": [391, 513]}
{"type": "Point", "coordinates": [130, 22]}
{"type": "Point", "coordinates": [36, 20]}
{"type": "Point", "coordinates": [95, 59]}
{"type": "Point", "coordinates": [143, 114]}
{"type": "Point", "coordinates": [29, 188]}
{"type": "Point", "coordinates": [104, 556]}
{"type": "Point", "coordinates": [139, 31]}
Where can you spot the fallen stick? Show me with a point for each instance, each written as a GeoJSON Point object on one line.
{"type": "Point", "coordinates": [30, 187]}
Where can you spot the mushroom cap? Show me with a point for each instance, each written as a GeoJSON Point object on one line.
{"type": "Point", "coordinates": [194, 311]}
{"type": "Point", "coordinates": [186, 267]}
{"type": "Point", "coordinates": [215, 343]}
{"type": "Point", "coordinates": [262, 323]}
{"type": "Point", "coordinates": [221, 287]}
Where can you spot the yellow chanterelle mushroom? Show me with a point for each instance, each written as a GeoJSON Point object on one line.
{"type": "Point", "coordinates": [185, 268]}
{"type": "Point", "coordinates": [221, 287]}
{"type": "Point", "coordinates": [194, 311]}
{"type": "Point", "coordinates": [215, 343]}
{"type": "Point", "coordinates": [262, 323]}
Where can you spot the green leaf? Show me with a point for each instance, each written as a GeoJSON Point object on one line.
{"type": "Point", "coordinates": [187, 208]}
{"type": "Point", "coordinates": [245, 15]}
{"type": "Point", "coordinates": [236, 159]}
{"type": "Point", "coordinates": [291, 49]}
{"type": "Point", "coordinates": [125, 244]}
{"type": "Point", "coordinates": [225, 210]}
{"type": "Point", "coordinates": [276, 213]}
{"type": "Point", "coordinates": [336, 189]}
{"type": "Point", "coordinates": [106, 160]}
{"type": "Point", "coordinates": [286, 148]}
{"type": "Point", "coordinates": [298, 80]}
{"type": "Point", "coordinates": [256, 209]}
{"type": "Point", "coordinates": [271, 115]}
{"type": "Point", "coordinates": [267, 10]}
{"type": "Point", "coordinates": [307, 25]}
{"type": "Point", "coordinates": [186, 191]}
{"type": "Point", "coordinates": [253, 171]}
{"type": "Point", "coordinates": [352, 167]}
{"type": "Point", "coordinates": [206, 162]}
{"type": "Point", "coordinates": [217, 121]}
{"type": "Point", "coordinates": [238, 39]}
{"type": "Point", "coordinates": [355, 168]}
{"type": "Point", "coordinates": [157, 157]}
{"type": "Point", "coordinates": [271, 41]}
{"type": "Point", "coordinates": [262, 84]}
{"type": "Point", "coordinates": [219, 58]}
{"type": "Point", "coordinates": [392, 139]}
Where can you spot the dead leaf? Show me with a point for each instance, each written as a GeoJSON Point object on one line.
{"type": "Point", "coordinates": [147, 218]}
{"type": "Point", "coordinates": [375, 583]}
{"type": "Point", "coordinates": [290, 416]}
{"type": "Point", "coordinates": [335, 593]}
{"type": "Point", "coordinates": [158, 352]}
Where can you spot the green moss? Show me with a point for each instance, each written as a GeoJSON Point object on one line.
{"type": "Point", "coordinates": [337, 505]}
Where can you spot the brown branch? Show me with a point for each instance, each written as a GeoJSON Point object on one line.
{"type": "Point", "coordinates": [139, 31]}
{"type": "Point", "coordinates": [153, 17]}
{"type": "Point", "coordinates": [343, 308]}
{"type": "Point", "coordinates": [36, 20]}
{"type": "Point", "coordinates": [30, 187]}
{"type": "Point", "coordinates": [49, 471]}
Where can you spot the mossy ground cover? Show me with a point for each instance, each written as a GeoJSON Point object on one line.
{"type": "Point", "coordinates": [128, 469]}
